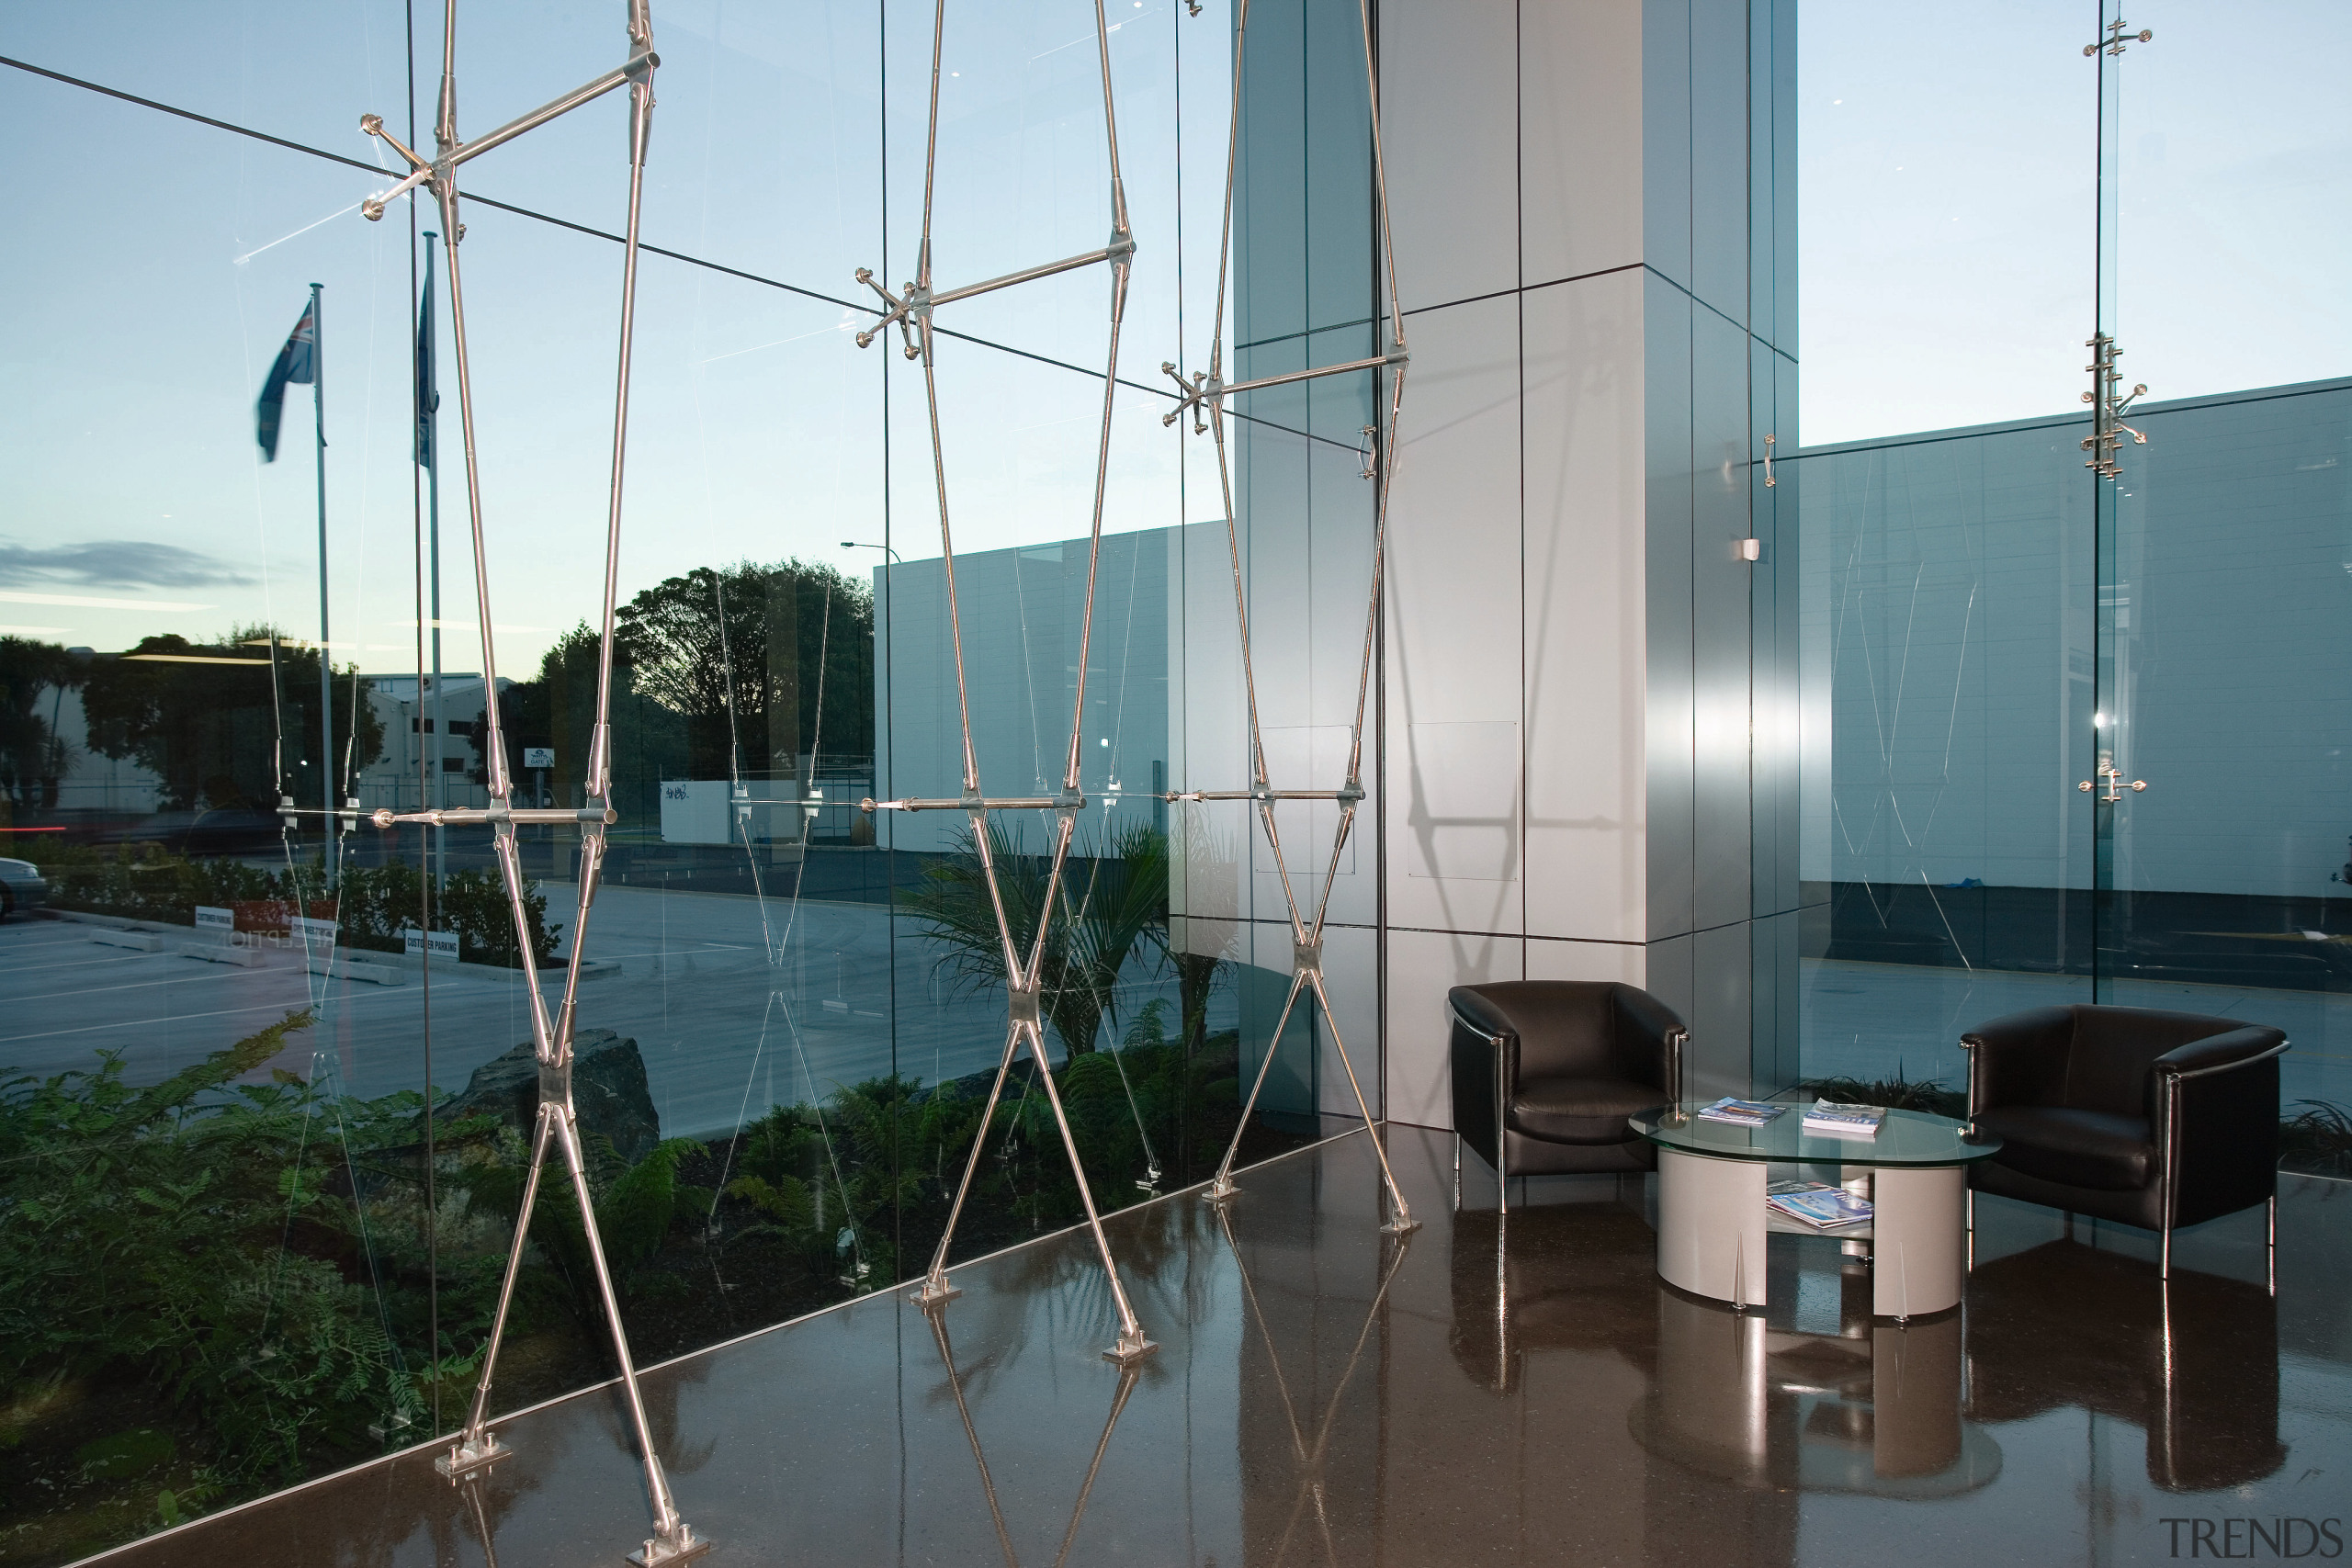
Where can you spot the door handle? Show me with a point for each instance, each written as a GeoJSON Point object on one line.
{"type": "Point", "coordinates": [2112, 777]}
{"type": "Point", "coordinates": [1768, 480]}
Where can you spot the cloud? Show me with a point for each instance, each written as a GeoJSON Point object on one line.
{"type": "Point", "coordinates": [116, 563]}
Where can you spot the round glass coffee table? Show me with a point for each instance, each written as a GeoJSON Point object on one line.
{"type": "Point", "coordinates": [1711, 1218]}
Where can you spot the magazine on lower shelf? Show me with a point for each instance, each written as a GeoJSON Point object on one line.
{"type": "Point", "coordinates": [1835, 1119]}
{"type": "Point", "coordinates": [1740, 1112]}
{"type": "Point", "coordinates": [1819, 1205]}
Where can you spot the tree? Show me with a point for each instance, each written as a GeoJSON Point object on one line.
{"type": "Point", "coordinates": [739, 652]}
{"type": "Point", "coordinates": [209, 731]}
{"type": "Point", "coordinates": [557, 709]}
{"type": "Point", "coordinates": [33, 757]}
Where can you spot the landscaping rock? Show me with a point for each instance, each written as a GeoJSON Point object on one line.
{"type": "Point", "coordinates": [608, 1090]}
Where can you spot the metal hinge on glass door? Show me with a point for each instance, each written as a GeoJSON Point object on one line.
{"type": "Point", "coordinates": [2108, 429]}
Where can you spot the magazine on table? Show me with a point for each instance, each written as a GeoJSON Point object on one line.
{"type": "Point", "coordinates": [1835, 1119]}
{"type": "Point", "coordinates": [1823, 1207]}
{"type": "Point", "coordinates": [1740, 1112]}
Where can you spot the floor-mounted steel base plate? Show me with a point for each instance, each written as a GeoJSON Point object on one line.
{"type": "Point", "coordinates": [934, 1293]}
{"type": "Point", "coordinates": [1222, 1191]}
{"type": "Point", "coordinates": [1403, 1225]}
{"type": "Point", "coordinates": [463, 1460]}
{"type": "Point", "coordinates": [1130, 1349]}
{"type": "Point", "coordinates": [665, 1549]}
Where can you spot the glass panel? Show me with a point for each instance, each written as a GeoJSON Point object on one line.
{"type": "Point", "coordinates": [1946, 644]}
{"type": "Point", "coordinates": [2227, 612]}
{"type": "Point", "coordinates": [2222, 545]}
{"type": "Point", "coordinates": [782, 1012]}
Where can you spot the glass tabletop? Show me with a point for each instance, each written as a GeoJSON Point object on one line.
{"type": "Point", "coordinates": [1905, 1138]}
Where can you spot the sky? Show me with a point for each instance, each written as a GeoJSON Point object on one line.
{"type": "Point", "coordinates": [1946, 263]}
{"type": "Point", "coordinates": [132, 499]}
{"type": "Point", "coordinates": [1945, 221]}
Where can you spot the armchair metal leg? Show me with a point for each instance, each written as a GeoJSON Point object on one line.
{"type": "Point", "coordinates": [2271, 1248]}
{"type": "Point", "coordinates": [2164, 1264]}
{"type": "Point", "coordinates": [1457, 1173]}
{"type": "Point", "coordinates": [1970, 1267]}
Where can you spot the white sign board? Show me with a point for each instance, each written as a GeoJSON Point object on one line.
{"type": "Point", "coordinates": [538, 756]}
{"type": "Point", "coordinates": [695, 811]}
{"type": "Point", "coordinates": [212, 920]}
{"type": "Point", "coordinates": [314, 932]}
{"type": "Point", "coordinates": [441, 945]}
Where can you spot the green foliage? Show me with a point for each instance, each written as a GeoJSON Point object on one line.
{"type": "Point", "coordinates": [2316, 1140]}
{"type": "Point", "coordinates": [146, 882]}
{"type": "Point", "coordinates": [142, 1239]}
{"type": "Point", "coordinates": [1111, 905]}
{"type": "Point", "coordinates": [1897, 1093]}
{"type": "Point", "coordinates": [373, 904]}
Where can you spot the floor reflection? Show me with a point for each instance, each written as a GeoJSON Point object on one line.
{"type": "Point", "coordinates": [1486, 1391]}
{"type": "Point", "coordinates": [937, 1316]}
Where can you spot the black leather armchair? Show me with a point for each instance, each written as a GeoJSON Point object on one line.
{"type": "Point", "coordinates": [2147, 1118]}
{"type": "Point", "coordinates": [1546, 1072]}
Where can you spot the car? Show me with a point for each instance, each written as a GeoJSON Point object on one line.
{"type": "Point", "coordinates": [22, 887]}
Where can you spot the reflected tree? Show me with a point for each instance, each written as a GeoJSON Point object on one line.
{"type": "Point", "coordinates": [209, 731]}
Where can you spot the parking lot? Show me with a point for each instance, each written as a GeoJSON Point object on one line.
{"type": "Point", "coordinates": [724, 1031]}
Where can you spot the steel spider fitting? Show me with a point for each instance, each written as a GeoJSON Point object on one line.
{"type": "Point", "coordinates": [911, 310]}
{"type": "Point", "coordinates": [1203, 396]}
{"type": "Point", "coordinates": [556, 1125]}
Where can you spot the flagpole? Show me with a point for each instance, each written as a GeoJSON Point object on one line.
{"type": "Point", "coordinates": [432, 403]}
{"type": "Point", "coordinates": [326, 661]}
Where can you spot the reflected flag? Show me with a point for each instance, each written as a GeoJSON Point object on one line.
{"type": "Point", "coordinates": [298, 361]}
{"type": "Point", "coordinates": [428, 390]}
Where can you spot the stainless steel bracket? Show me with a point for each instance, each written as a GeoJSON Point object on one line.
{"type": "Point", "coordinates": [2108, 408]}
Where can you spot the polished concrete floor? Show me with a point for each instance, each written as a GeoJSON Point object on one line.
{"type": "Point", "coordinates": [1478, 1393]}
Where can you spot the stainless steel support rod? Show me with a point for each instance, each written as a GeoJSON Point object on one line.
{"type": "Point", "coordinates": [1257, 795]}
{"type": "Point", "coordinates": [914, 312]}
{"type": "Point", "coordinates": [476, 1443]}
{"type": "Point", "coordinates": [935, 1287]}
{"type": "Point", "coordinates": [640, 66]}
{"type": "Point", "coordinates": [1028, 274]}
{"type": "Point", "coordinates": [1205, 393]}
{"type": "Point", "coordinates": [464, 816]}
{"type": "Point", "coordinates": [551, 1037]}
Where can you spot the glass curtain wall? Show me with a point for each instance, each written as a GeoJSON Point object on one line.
{"type": "Point", "coordinates": [268, 1080]}
{"type": "Point", "coordinates": [2072, 736]}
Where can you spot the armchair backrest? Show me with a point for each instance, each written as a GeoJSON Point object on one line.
{"type": "Point", "coordinates": [2086, 1057]}
{"type": "Point", "coordinates": [2111, 1062]}
{"type": "Point", "coordinates": [1574, 1027]}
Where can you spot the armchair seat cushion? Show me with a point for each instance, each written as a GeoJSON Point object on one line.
{"type": "Point", "coordinates": [2093, 1149]}
{"type": "Point", "coordinates": [1581, 1111]}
